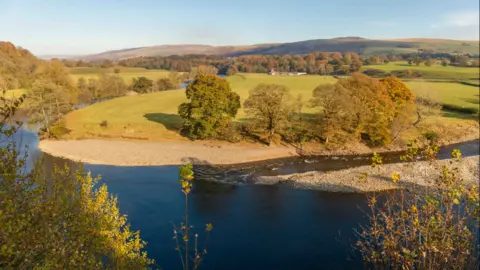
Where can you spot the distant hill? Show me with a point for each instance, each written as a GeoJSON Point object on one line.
{"type": "Point", "coordinates": [346, 44]}
{"type": "Point", "coordinates": [166, 50]}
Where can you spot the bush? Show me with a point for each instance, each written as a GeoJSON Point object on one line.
{"type": "Point", "coordinates": [436, 228]}
{"type": "Point", "coordinates": [431, 136]}
{"type": "Point", "coordinates": [376, 73]}
{"type": "Point", "coordinates": [104, 123]}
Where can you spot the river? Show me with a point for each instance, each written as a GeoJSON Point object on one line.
{"type": "Point", "coordinates": [255, 227]}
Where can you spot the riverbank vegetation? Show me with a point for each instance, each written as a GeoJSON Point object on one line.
{"type": "Point", "coordinates": [433, 228]}
{"type": "Point", "coordinates": [62, 219]}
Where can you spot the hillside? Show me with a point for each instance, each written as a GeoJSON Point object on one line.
{"type": "Point", "coordinates": [166, 50]}
{"type": "Point", "coordinates": [17, 66]}
{"type": "Point", "coordinates": [347, 44]}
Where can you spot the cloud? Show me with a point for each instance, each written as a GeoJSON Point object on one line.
{"type": "Point", "coordinates": [463, 19]}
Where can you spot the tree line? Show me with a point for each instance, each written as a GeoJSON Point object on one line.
{"type": "Point", "coordinates": [323, 63]}
{"type": "Point", "coordinates": [357, 108]}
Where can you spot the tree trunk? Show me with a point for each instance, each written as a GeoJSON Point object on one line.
{"type": "Point", "coordinates": [419, 118]}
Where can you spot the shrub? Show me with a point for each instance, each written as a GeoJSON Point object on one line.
{"type": "Point", "coordinates": [431, 136]}
{"type": "Point", "coordinates": [432, 229]}
{"type": "Point", "coordinates": [104, 123]}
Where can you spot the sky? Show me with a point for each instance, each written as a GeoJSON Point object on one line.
{"type": "Point", "coordinates": [68, 27]}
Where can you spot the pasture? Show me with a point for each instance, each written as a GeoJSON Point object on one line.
{"type": "Point", "coordinates": [126, 73]}
{"type": "Point", "coordinates": [154, 116]}
{"type": "Point", "coordinates": [436, 71]}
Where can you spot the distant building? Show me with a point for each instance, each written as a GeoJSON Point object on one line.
{"type": "Point", "coordinates": [273, 72]}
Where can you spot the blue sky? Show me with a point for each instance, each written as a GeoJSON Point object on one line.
{"type": "Point", "coordinates": [92, 26]}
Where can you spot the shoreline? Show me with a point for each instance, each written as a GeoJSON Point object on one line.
{"type": "Point", "coordinates": [151, 153]}
{"type": "Point", "coordinates": [413, 176]}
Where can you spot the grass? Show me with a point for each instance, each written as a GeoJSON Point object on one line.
{"type": "Point", "coordinates": [448, 93]}
{"type": "Point", "coordinates": [432, 72]}
{"type": "Point", "coordinates": [126, 73]}
{"type": "Point", "coordinates": [14, 93]}
{"type": "Point", "coordinates": [154, 116]}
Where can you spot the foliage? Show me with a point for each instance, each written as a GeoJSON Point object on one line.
{"type": "Point", "coordinates": [268, 105]}
{"type": "Point", "coordinates": [435, 229]}
{"type": "Point", "coordinates": [183, 234]}
{"type": "Point", "coordinates": [58, 221]}
{"type": "Point", "coordinates": [164, 84]}
{"type": "Point", "coordinates": [357, 107]}
{"type": "Point", "coordinates": [141, 85]}
{"type": "Point", "coordinates": [212, 106]}
{"type": "Point", "coordinates": [17, 66]}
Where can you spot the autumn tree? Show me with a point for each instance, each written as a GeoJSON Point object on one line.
{"type": "Point", "coordinates": [430, 62]}
{"type": "Point", "coordinates": [268, 105]}
{"type": "Point", "coordinates": [444, 62]}
{"type": "Point", "coordinates": [206, 70]}
{"type": "Point", "coordinates": [358, 107]}
{"type": "Point", "coordinates": [60, 220]}
{"type": "Point", "coordinates": [141, 85]}
{"type": "Point", "coordinates": [403, 103]}
{"type": "Point", "coordinates": [163, 84]}
{"type": "Point", "coordinates": [51, 96]}
{"type": "Point", "coordinates": [212, 105]}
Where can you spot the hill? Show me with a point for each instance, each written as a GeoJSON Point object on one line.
{"type": "Point", "coordinates": [17, 66]}
{"type": "Point", "coordinates": [166, 50]}
{"type": "Point", "coordinates": [346, 44]}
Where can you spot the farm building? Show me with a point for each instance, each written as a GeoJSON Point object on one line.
{"type": "Point", "coordinates": [273, 72]}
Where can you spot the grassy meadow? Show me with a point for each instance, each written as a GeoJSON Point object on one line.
{"type": "Point", "coordinates": [154, 116]}
{"type": "Point", "coordinates": [436, 71]}
{"type": "Point", "coordinates": [126, 73]}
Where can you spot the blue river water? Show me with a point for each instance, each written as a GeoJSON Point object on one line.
{"type": "Point", "coordinates": [255, 227]}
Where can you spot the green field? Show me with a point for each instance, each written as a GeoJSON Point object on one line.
{"type": "Point", "coordinates": [432, 72]}
{"type": "Point", "coordinates": [126, 73]}
{"type": "Point", "coordinates": [154, 116]}
{"type": "Point", "coordinates": [447, 93]}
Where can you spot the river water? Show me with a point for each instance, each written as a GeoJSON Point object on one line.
{"type": "Point", "coordinates": [255, 227]}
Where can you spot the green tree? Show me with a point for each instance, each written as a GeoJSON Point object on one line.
{"type": "Point", "coordinates": [142, 85]}
{"type": "Point", "coordinates": [268, 105]}
{"type": "Point", "coordinates": [47, 104]}
{"type": "Point", "coordinates": [62, 220]}
{"type": "Point", "coordinates": [212, 105]}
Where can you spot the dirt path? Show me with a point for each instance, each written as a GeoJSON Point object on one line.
{"type": "Point", "coordinates": [131, 153]}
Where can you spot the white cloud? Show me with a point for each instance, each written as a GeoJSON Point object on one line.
{"type": "Point", "coordinates": [463, 19]}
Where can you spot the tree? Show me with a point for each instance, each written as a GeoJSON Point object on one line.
{"type": "Point", "coordinates": [175, 78]}
{"type": "Point", "coordinates": [141, 85]}
{"type": "Point", "coordinates": [358, 107]}
{"type": "Point", "coordinates": [430, 62]}
{"type": "Point", "coordinates": [212, 105]}
{"type": "Point", "coordinates": [47, 103]}
{"type": "Point", "coordinates": [268, 105]}
{"type": "Point", "coordinates": [206, 70]}
{"type": "Point", "coordinates": [163, 84]}
{"type": "Point", "coordinates": [116, 71]}
{"type": "Point", "coordinates": [444, 62]}
{"type": "Point", "coordinates": [403, 102]}
{"type": "Point", "coordinates": [464, 61]}
{"type": "Point", "coordinates": [62, 220]}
